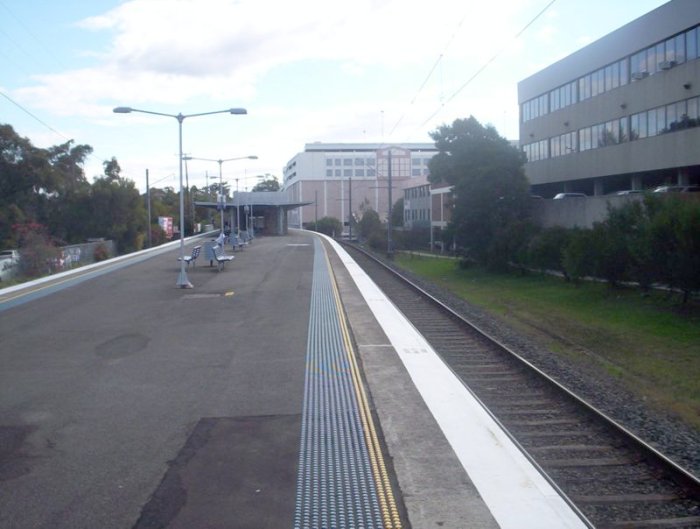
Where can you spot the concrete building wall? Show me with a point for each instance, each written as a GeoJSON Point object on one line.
{"type": "Point", "coordinates": [629, 162]}
{"type": "Point", "coordinates": [324, 173]}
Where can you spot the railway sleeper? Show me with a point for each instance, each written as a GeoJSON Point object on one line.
{"type": "Point", "coordinates": [587, 463]}
{"type": "Point", "coordinates": [662, 523]}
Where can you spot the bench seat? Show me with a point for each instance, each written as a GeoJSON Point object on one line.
{"type": "Point", "coordinates": [221, 258]}
{"type": "Point", "coordinates": [192, 257]}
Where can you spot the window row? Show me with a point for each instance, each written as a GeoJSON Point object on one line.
{"type": "Point", "coordinates": [363, 162]}
{"type": "Point", "coordinates": [538, 150]}
{"type": "Point", "coordinates": [417, 192]}
{"type": "Point", "coordinates": [603, 80]}
{"type": "Point", "coordinates": [535, 108]}
{"type": "Point", "coordinates": [563, 96]}
{"type": "Point", "coordinates": [416, 214]}
{"type": "Point", "coordinates": [349, 173]}
{"type": "Point", "coordinates": [666, 54]}
{"type": "Point", "coordinates": [661, 120]}
{"type": "Point", "coordinates": [661, 56]}
{"type": "Point", "coordinates": [669, 118]}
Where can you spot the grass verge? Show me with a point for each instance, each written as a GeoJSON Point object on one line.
{"type": "Point", "coordinates": [650, 344]}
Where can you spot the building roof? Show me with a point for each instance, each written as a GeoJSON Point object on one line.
{"type": "Point", "coordinates": [365, 147]}
{"type": "Point", "coordinates": [256, 199]}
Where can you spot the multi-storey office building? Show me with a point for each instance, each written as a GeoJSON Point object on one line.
{"type": "Point", "coordinates": [338, 178]}
{"type": "Point", "coordinates": [621, 113]}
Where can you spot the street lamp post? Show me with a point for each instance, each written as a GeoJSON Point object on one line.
{"type": "Point", "coordinates": [221, 181]}
{"type": "Point", "coordinates": [182, 280]}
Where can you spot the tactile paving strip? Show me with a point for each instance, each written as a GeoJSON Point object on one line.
{"type": "Point", "coordinates": [336, 486]}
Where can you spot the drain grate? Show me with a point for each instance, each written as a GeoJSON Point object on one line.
{"type": "Point", "coordinates": [336, 486]}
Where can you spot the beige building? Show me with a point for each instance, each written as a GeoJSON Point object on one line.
{"type": "Point", "coordinates": [343, 178]}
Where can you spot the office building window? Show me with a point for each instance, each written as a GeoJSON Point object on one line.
{"type": "Point", "coordinates": [347, 161]}
{"type": "Point", "coordinates": [693, 111]}
{"type": "Point", "coordinates": [336, 161]}
{"type": "Point", "coordinates": [359, 172]}
{"type": "Point", "coordinates": [534, 108]}
{"type": "Point", "coordinates": [347, 172]}
{"type": "Point", "coordinates": [537, 151]}
{"type": "Point", "coordinates": [329, 172]}
{"type": "Point", "coordinates": [359, 161]}
{"type": "Point", "coordinates": [638, 126]}
{"type": "Point", "coordinates": [638, 65]}
{"type": "Point", "coordinates": [563, 96]}
{"type": "Point", "coordinates": [338, 172]}
{"type": "Point", "coordinates": [672, 115]}
{"type": "Point", "coordinates": [415, 172]}
{"type": "Point", "coordinates": [691, 44]}
{"type": "Point", "coordinates": [563, 145]}
{"type": "Point", "coordinates": [371, 172]}
{"type": "Point", "coordinates": [624, 130]}
{"type": "Point", "coordinates": [329, 162]}
{"type": "Point", "coordinates": [584, 88]}
{"type": "Point", "coordinates": [584, 139]}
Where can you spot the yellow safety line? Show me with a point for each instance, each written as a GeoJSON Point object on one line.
{"type": "Point", "coordinates": [387, 502]}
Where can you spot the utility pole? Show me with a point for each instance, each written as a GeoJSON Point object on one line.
{"type": "Point", "coordinates": [350, 200]}
{"type": "Point", "coordinates": [389, 248]}
{"type": "Point", "coordinates": [148, 200]}
{"type": "Point", "coordinates": [187, 186]}
{"type": "Point", "coordinates": [316, 205]}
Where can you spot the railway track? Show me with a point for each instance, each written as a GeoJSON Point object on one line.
{"type": "Point", "coordinates": [611, 477]}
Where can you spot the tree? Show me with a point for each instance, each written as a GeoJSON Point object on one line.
{"type": "Point", "coordinates": [117, 211]}
{"type": "Point", "coordinates": [328, 225]}
{"type": "Point", "coordinates": [369, 223]}
{"type": "Point", "coordinates": [491, 192]}
{"type": "Point", "coordinates": [397, 213]}
{"type": "Point", "coordinates": [546, 248]}
{"type": "Point", "coordinates": [270, 183]}
{"type": "Point", "coordinates": [675, 242]}
{"type": "Point", "coordinates": [577, 258]}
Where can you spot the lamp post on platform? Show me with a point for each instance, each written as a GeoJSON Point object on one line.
{"type": "Point", "coordinates": [182, 280]}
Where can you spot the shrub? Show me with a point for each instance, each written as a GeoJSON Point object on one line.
{"type": "Point", "coordinates": [577, 257]}
{"type": "Point", "coordinates": [101, 253]}
{"type": "Point", "coordinates": [546, 249]}
{"type": "Point", "coordinates": [329, 226]}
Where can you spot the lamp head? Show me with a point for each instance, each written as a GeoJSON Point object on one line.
{"type": "Point", "coordinates": [252, 157]}
{"type": "Point", "coordinates": [238, 111]}
{"type": "Point", "coordinates": [122, 110]}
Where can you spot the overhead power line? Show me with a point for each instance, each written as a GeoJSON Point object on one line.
{"type": "Point", "coordinates": [33, 116]}
{"type": "Point", "coordinates": [430, 73]}
{"type": "Point", "coordinates": [487, 64]}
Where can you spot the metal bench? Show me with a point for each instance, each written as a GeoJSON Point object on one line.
{"type": "Point", "coordinates": [221, 258]}
{"type": "Point", "coordinates": [191, 258]}
{"type": "Point", "coordinates": [238, 242]}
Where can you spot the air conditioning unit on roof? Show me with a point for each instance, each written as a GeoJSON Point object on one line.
{"type": "Point", "coordinates": [666, 65]}
{"type": "Point", "coordinates": [639, 75]}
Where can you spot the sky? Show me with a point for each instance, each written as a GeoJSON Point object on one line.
{"type": "Point", "coordinates": [384, 71]}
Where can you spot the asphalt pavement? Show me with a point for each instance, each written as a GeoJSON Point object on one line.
{"type": "Point", "coordinates": [126, 402]}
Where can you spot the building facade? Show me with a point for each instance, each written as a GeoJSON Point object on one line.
{"type": "Point", "coordinates": [622, 113]}
{"type": "Point", "coordinates": [340, 179]}
{"type": "Point", "coordinates": [428, 206]}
